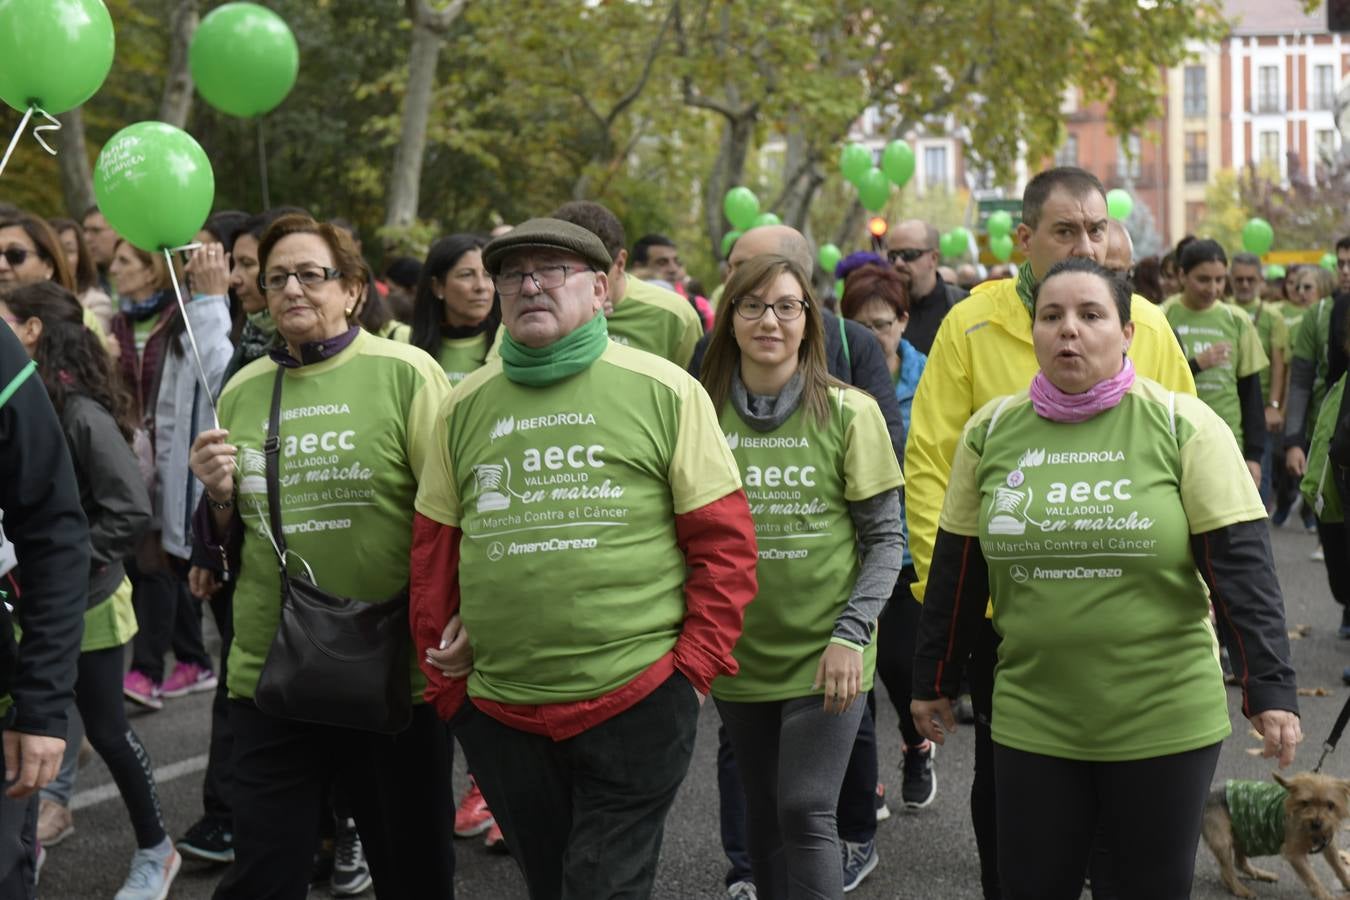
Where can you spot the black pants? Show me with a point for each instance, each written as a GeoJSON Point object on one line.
{"type": "Point", "coordinates": [216, 784]}
{"type": "Point", "coordinates": [584, 817]}
{"type": "Point", "coordinates": [18, 847]}
{"type": "Point", "coordinates": [1333, 536]}
{"type": "Point", "coordinates": [168, 616]}
{"type": "Point", "coordinates": [1049, 810]}
{"type": "Point", "coordinates": [983, 813]}
{"type": "Point", "coordinates": [896, 629]}
{"type": "Point", "coordinates": [98, 696]}
{"type": "Point", "coordinates": [398, 787]}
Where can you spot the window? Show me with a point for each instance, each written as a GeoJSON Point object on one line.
{"type": "Point", "coordinates": [1195, 100]}
{"type": "Point", "coordinates": [1268, 89]}
{"type": "Point", "coordinates": [1324, 87]}
{"type": "Point", "coordinates": [1067, 155]}
{"type": "Point", "coordinates": [935, 166]}
{"type": "Point", "coordinates": [1197, 157]}
{"type": "Point", "coordinates": [1270, 147]}
{"type": "Point", "coordinates": [1129, 162]}
{"type": "Point", "coordinates": [1324, 145]}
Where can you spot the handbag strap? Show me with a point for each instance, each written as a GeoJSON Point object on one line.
{"type": "Point", "coordinates": [272, 450]}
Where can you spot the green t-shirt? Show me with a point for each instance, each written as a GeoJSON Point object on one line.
{"type": "Point", "coordinates": [141, 330]}
{"type": "Point", "coordinates": [1198, 330]}
{"type": "Point", "coordinates": [457, 356]}
{"type": "Point", "coordinates": [1273, 333]}
{"type": "Point", "coordinates": [1256, 810]}
{"type": "Point", "coordinates": [355, 431]}
{"type": "Point", "coordinates": [571, 578]}
{"type": "Point", "coordinates": [654, 319]}
{"type": "Point", "coordinates": [111, 623]}
{"type": "Point", "coordinates": [799, 479]}
{"type": "Point", "coordinates": [1318, 485]}
{"type": "Point", "coordinates": [1108, 652]}
{"type": "Point", "coordinates": [1311, 340]}
{"type": "Point", "coordinates": [1292, 314]}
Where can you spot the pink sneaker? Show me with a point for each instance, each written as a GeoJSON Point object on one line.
{"type": "Point", "coordinates": [188, 678]}
{"type": "Point", "coordinates": [138, 688]}
{"type": "Point", "coordinates": [473, 816]}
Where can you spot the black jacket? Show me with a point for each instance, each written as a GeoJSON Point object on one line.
{"type": "Point", "coordinates": [43, 519]}
{"type": "Point", "coordinates": [112, 492]}
{"type": "Point", "coordinates": [863, 366]}
{"type": "Point", "coordinates": [927, 313]}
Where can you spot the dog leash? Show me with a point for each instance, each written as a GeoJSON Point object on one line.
{"type": "Point", "coordinates": [1336, 730]}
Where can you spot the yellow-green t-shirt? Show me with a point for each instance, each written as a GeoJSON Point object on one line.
{"type": "Point", "coordinates": [799, 479]}
{"type": "Point", "coordinates": [571, 578]}
{"type": "Point", "coordinates": [1198, 330]}
{"type": "Point", "coordinates": [1108, 652]}
{"type": "Point", "coordinates": [457, 356]}
{"type": "Point", "coordinates": [1273, 333]}
{"type": "Point", "coordinates": [111, 623]}
{"type": "Point", "coordinates": [654, 319]}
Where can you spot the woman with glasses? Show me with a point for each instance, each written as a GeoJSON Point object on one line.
{"type": "Point", "coordinates": [355, 420]}
{"type": "Point", "coordinates": [95, 413]}
{"type": "Point", "coordinates": [455, 310]}
{"type": "Point", "coordinates": [31, 251]}
{"type": "Point", "coordinates": [822, 480]}
{"type": "Point", "coordinates": [82, 267]}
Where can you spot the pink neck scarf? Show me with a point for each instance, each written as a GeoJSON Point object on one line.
{"type": "Point", "coordinates": [1053, 404]}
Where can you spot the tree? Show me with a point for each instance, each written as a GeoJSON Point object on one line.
{"type": "Point", "coordinates": [175, 104]}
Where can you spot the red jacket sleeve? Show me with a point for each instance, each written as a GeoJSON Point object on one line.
{"type": "Point", "coordinates": [433, 597]}
{"type": "Point", "coordinates": [718, 541]}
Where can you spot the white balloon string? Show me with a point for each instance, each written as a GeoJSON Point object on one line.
{"type": "Point", "coordinates": [187, 325]}
{"type": "Point", "coordinates": [14, 142]}
{"type": "Point", "coordinates": [53, 125]}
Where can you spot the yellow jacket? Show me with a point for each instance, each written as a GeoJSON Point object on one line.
{"type": "Point", "coordinates": [983, 350]}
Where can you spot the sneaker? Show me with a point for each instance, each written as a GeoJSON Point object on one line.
{"type": "Point", "coordinates": [152, 872]}
{"type": "Point", "coordinates": [139, 689]}
{"type": "Point", "coordinates": [1318, 555]}
{"type": "Point", "coordinates": [742, 890]}
{"type": "Point", "coordinates": [883, 811]}
{"type": "Point", "coordinates": [209, 840]}
{"type": "Point", "coordinates": [188, 678]}
{"type": "Point", "coordinates": [495, 840]}
{"type": "Point", "coordinates": [473, 816]}
{"type": "Point", "coordinates": [55, 823]}
{"type": "Point", "coordinates": [859, 861]}
{"type": "Point", "coordinates": [351, 874]}
{"type": "Point", "coordinates": [919, 786]}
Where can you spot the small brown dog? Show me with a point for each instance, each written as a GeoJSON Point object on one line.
{"type": "Point", "coordinates": [1296, 817]}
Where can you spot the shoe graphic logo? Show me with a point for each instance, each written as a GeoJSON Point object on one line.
{"type": "Point", "coordinates": [1010, 508]}
{"type": "Point", "coordinates": [503, 428]}
{"type": "Point", "coordinates": [733, 440]}
{"type": "Point", "coordinates": [1031, 458]}
{"type": "Point", "coordinates": [490, 497]}
{"type": "Point", "coordinates": [253, 469]}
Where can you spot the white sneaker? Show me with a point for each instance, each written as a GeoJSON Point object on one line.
{"type": "Point", "coordinates": [152, 872]}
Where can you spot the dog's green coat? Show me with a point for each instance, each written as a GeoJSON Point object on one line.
{"type": "Point", "coordinates": [1257, 812]}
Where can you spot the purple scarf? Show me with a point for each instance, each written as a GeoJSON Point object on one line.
{"type": "Point", "coordinates": [1053, 404]}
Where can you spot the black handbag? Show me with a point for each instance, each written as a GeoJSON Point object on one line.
{"type": "Point", "coordinates": [334, 660]}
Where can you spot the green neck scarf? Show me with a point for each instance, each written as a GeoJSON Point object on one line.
{"type": "Point", "coordinates": [1026, 288]}
{"type": "Point", "coordinates": [263, 321]}
{"type": "Point", "coordinates": [564, 357]}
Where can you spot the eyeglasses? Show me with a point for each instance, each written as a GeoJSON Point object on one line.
{"type": "Point", "coordinates": [15, 255]}
{"type": "Point", "coordinates": [879, 325]}
{"type": "Point", "coordinates": [908, 254]}
{"type": "Point", "coordinates": [545, 278]}
{"type": "Point", "coordinates": [784, 310]}
{"type": "Point", "coordinates": [306, 277]}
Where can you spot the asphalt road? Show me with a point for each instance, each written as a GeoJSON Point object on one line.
{"type": "Point", "coordinates": [929, 854]}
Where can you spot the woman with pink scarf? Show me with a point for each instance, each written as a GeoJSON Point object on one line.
{"type": "Point", "coordinates": [1084, 508]}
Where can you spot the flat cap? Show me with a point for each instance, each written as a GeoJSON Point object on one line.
{"type": "Point", "coordinates": [547, 234]}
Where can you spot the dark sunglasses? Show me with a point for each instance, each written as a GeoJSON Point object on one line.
{"type": "Point", "coordinates": [15, 255]}
{"type": "Point", "coordinates": [909, 254]}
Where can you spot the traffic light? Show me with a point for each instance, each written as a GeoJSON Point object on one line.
{"type": "Point", "coordinates": [876, 226]}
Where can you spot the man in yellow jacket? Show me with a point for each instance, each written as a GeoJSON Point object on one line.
{"type": "Point", "coordinates": [983, 350]}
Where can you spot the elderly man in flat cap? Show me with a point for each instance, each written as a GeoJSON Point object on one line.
{"type": "Point", "coordinates": [583, 555]}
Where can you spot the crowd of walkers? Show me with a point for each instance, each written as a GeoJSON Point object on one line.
{"type": "Point", "coordinates": [540, 495]}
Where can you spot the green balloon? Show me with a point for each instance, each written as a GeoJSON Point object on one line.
{"type": "Point", "coordinates": [1257, 236]}
{"type": "Point", "coordinates": [1274, 272]}
{"type": "Point", "coordinates": [874, 190]}
{"type": "Point", "coordinates": [741, 206]}
{"type": "Point", "coordinates": [154, 185]}
{"type": "Point", "coordinates": [54, 54]}
{"type": "Point", "coordinates": [1328, 262]}
{"type": "Point", "coordinates": [244, 59]}
{"type": "Point", "coordinates": [999, 223]}
{"type": "Point", "coordinates": [728, 241]}
{"type": "Point", "coordinates": [1001, 245]}
{"type": "Point", "coordinates": [854, 162]}
{"type": "Point", "coordinates": [960, 240]}
{"type": "Point", "coordinates": [897, 161]}
{"type": "Point", "coordinates": [829, 257]}
{"type": "Point", "coordinates": [1119, 204]}
{"type": "Point", "coordinates": [766, 218]}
